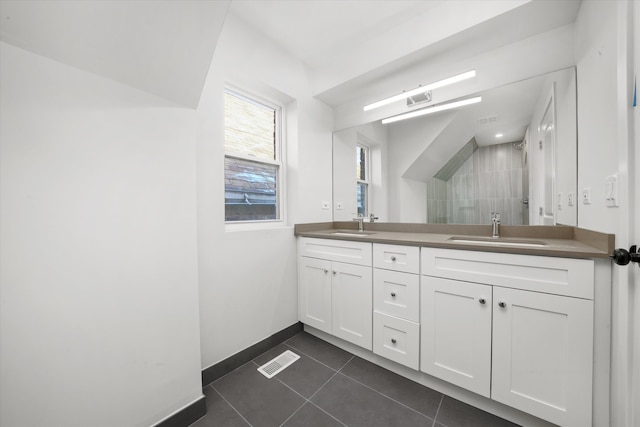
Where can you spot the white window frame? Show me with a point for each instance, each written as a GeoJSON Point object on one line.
{"type": "Point", "coordinates": [280, 153]}
{"type": "Point", "coordinates": [367, 177]}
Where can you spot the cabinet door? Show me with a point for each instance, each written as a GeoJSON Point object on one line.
{"type": "Point", "coordinates": [543, 354]}
{"type": "Point", "coordinates": [456, 332]}
{"type": "Point", "coordinates": [352, 305]}
{"type": "Point", "coordinates": [314, 293]}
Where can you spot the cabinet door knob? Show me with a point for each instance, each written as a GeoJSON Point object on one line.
{"type": "Point", "coordinates": [482, 301]}
{"type": "Point", "coordinates": [393, 340]}
{"type": "Point", "coordinates": [393, 294]}
{"type": "Point", "coordinates": [393, 258]}
{"type": "Point", "coordinates": [502, 304]}
{"type": "Point", "coordinates": [326, 271]}
{"type": "Point", "coordinates": [335, 272]}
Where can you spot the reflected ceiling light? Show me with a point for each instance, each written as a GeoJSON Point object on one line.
{"type": "Point", "coordinates": [421, 89]}
{"type": "Point", "coordinates": [499, 135]}
{"type": "Point", "coordinates": [431, 110]}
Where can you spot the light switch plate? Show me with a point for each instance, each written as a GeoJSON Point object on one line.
{"type": "Point", "coordinates": [571, 199]}
{"type": "Point", "coordinates": [586, 196]}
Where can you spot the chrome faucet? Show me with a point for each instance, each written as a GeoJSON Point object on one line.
{"type": "Point", "coordinates": [360, 219]}
{"type": "Point", "coordinates": [372, 217]}
{"type": "Point", "coordinates": [495, 225]}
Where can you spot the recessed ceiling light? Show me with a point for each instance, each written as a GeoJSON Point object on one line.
{"type": "Point", "coordinates": [499, 135]}
{"type": "Point", "coordinates": [431, 110]}
{"type": "Point", "coordinates": [421, 89]}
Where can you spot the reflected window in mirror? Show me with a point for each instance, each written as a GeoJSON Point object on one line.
{"type": "Point", "coordinates": [362, 179]}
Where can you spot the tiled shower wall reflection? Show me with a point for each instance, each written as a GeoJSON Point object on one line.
{"type": "Point", "coordinates": [489, 181]}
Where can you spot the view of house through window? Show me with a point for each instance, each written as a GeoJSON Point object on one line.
{"type": "Point", "coordinates": [252, 165]}
{"type": "Point", "coordinates": [362, 180]}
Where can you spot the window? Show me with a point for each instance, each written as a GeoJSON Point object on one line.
{"type": "Point", "coordinates": [252, 164]}
{"type": "Point", "coordinates": [362, 179]}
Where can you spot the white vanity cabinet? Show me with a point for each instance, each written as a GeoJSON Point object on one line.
{"type": "Point", "coordinates": [396, 303]}
{"type": "Point", "coordinates": [515, 328]}
{"type": "Point", "coordinates": [456, 332]}
{"type": "Point", "coordinates": [335, 288]}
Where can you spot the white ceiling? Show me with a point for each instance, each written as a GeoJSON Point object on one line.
{"type": "Point", "coordinates": [162, 47]}
{"type": "Point", "coordinates": [351, 47]}
{"type": "Point", "coordinates": [312, 29]}
{"type": "Point", "coordinates": [347, 46]}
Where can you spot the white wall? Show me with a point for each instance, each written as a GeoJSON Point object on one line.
{"type": "Point", "coordinates": [248, 285]}
{"type": "Point", "coordinates": [98, 274]}
{"type": "Point", "coordinates": [596, 59]}
{"type": "Point", "coordinates": [605, 87]}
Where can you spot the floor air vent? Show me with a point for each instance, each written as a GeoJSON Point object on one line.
{"type": "Point", "coordinates": [278, 364]}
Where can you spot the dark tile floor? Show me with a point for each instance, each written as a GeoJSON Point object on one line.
{"type": "Point", "coordinates": [328, 386]}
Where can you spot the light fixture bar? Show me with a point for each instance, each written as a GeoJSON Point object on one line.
{"type": "Point", "coordinates": [431, 110]}
{"type": "Point", "coordinates": [421, 89]}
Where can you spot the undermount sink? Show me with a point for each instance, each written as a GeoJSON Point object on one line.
{"type": "Point", "coordinates": [499, 241]}
{"type": "Point", "coordinates": [351, 233]}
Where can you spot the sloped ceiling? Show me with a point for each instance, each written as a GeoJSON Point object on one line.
{"type": "Point", "coordinates": [348, 47]}
{"type": "Point", "coordinates": [162, 47]}
{"type": "Point", "coordinates": [353, 47]}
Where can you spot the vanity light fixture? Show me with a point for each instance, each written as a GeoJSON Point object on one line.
{"type": "Point", "coordinates": [431, 110]}
{"type": "Point", "coordinates": [499, 135]}
{"type": "Point", "coordinates": [421, 89]}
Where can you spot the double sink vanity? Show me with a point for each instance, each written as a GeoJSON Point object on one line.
{"type": "Point", "coordinates": [515, 322]}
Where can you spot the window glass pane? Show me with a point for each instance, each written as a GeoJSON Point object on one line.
{"type": "Point", "coordinates": [361, 160]}
{"type": "Point", "coordinates": [361, 198]}
{"type": "Point", "coordinates": [250, 128]}
{"type": "Point", "coordinates": [250, 190]}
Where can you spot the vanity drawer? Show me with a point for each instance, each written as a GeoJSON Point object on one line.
{"type": "Point", "coordinates": [396, 339]}
{"type": "Point", "coordinates": [335, 250]}
{"type": "Point", "coordinates": [397, 294]}
{"type": "Point", "coordinates": [552, 275]}
{"type": "Point", "coordinates": [397, 258]}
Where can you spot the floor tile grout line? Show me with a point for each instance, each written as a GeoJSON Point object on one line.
{"type": "Point", "coordinates": [438, 410]}
{"type": "Point", "coordinates": [352, 357]}
{"type": "Point", "coordinates": [232, 407]}
{"type": "Point", "coordinates": [312, 358]}
{"type": "Point", "coordinates": [318, 391]}
{"type": "Point", "coordinates": [309, 399]}
{"type": "Point", "coordinates": [335, 373]}
{"type": "Point", "coordinates": [328, 413]}
{"type": "Point", "coordinates": [322, 386]}
{"type": "Point", "coordinates": [347, 376]}
{"type": "Point", "coordinates": [384, 395]}
{"type": "Point", "coordinates": [294, 412]}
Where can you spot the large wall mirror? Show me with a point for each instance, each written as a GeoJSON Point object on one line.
{"type": "Point", "coordinates": [514, 153]}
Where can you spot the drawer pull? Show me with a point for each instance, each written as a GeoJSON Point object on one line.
{"type": "Point", "coordinates": [393, 258]}
{"type": "Point", "coordinates": [502, 304]}
{"type": "Point", "coordinates": [393, 294]}
{"type": "Point", "coordinates": [393, 340]}
{"type": "Point", "coordinates": [482, 301]}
